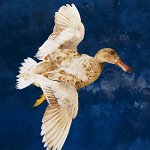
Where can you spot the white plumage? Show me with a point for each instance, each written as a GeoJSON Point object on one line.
{"type": "Point", "coordinates": [25, 76]}
{"type": "Point", "coordinates": [68, 30]}
{"type": "Point", "coordinates": [63, 107]}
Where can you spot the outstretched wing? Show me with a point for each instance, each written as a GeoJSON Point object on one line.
{"type": "Point", "coordinates": [63, 107]}
{"type": "Point", "coordinates": [68, 32]}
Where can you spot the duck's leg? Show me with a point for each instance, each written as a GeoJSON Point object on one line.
{"type": "Point", "coordinates": [40, 100]}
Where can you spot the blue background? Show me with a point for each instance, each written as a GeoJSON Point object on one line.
{"type": "Point", "coordinates": [114, 112]}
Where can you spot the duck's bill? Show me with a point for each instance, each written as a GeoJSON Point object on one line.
{"type": "Point", "coordinates": [124, 67]}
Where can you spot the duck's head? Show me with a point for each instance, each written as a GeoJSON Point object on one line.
{"type": "Point", "coordinates": [110, 56]}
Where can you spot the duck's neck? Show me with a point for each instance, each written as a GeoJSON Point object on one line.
{"type": "Point", "coordinates": [100, 58]}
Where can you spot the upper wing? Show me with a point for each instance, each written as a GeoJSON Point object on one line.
{"type": "Point", "coordinates": [63, 100]}
{"type": "Point", "coordinates": [68, 32]}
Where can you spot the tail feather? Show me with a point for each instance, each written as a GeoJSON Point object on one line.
{"type": "Point", "coordinates": [27, 64]}
{"type": "Point", "coordinates": [25, 77]}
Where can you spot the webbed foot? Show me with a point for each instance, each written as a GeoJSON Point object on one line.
{"type": "Point", "coordinates": [40, 100]}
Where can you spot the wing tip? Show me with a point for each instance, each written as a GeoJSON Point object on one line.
{"type": "Point", "coordinates": [56, 135]}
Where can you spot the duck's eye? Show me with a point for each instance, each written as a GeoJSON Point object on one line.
{"type": "Point", "coordinates": [112, 52]}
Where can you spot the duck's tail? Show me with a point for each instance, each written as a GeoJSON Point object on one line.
{"type": "Point", "coordinates": [26, 76]}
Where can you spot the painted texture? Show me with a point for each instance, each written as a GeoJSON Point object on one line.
{"type": "Point", "coordinates": [114, 112]}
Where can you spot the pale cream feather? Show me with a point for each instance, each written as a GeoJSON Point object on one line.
{"type": "Point", "coordinates": [24, 78]}
{"type": "Point", "coordinates": [68, 32]}
{"type": "Point", "coordinates": [63, 107]}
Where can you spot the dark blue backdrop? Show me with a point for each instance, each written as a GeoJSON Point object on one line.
{"type": "Point", "coordinates": [114, 112]}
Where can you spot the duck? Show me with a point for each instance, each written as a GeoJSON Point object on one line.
{"type": "Point", "coordinates": [61, 72]}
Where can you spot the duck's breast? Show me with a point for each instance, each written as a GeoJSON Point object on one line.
{"type": "Point", "coordinates": [85, 68]}
{"type": "Point", "coordinates": [92, 71]}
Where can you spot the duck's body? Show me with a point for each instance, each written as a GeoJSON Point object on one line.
{"type": "Point", "coordinates": [68, 66]}
{"type": "Point", "coordinates": [62, 72]}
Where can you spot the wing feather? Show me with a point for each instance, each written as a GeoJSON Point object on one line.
{"type": "Point", "coordinates": [68, 31]}
{"type": "Point", "coordinates": [58, 116]}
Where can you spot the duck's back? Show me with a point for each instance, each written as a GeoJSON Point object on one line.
{"type": "Point", "coordinates": [61, 55]}
{"type": "Point", "coordinates": [54, 61]}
